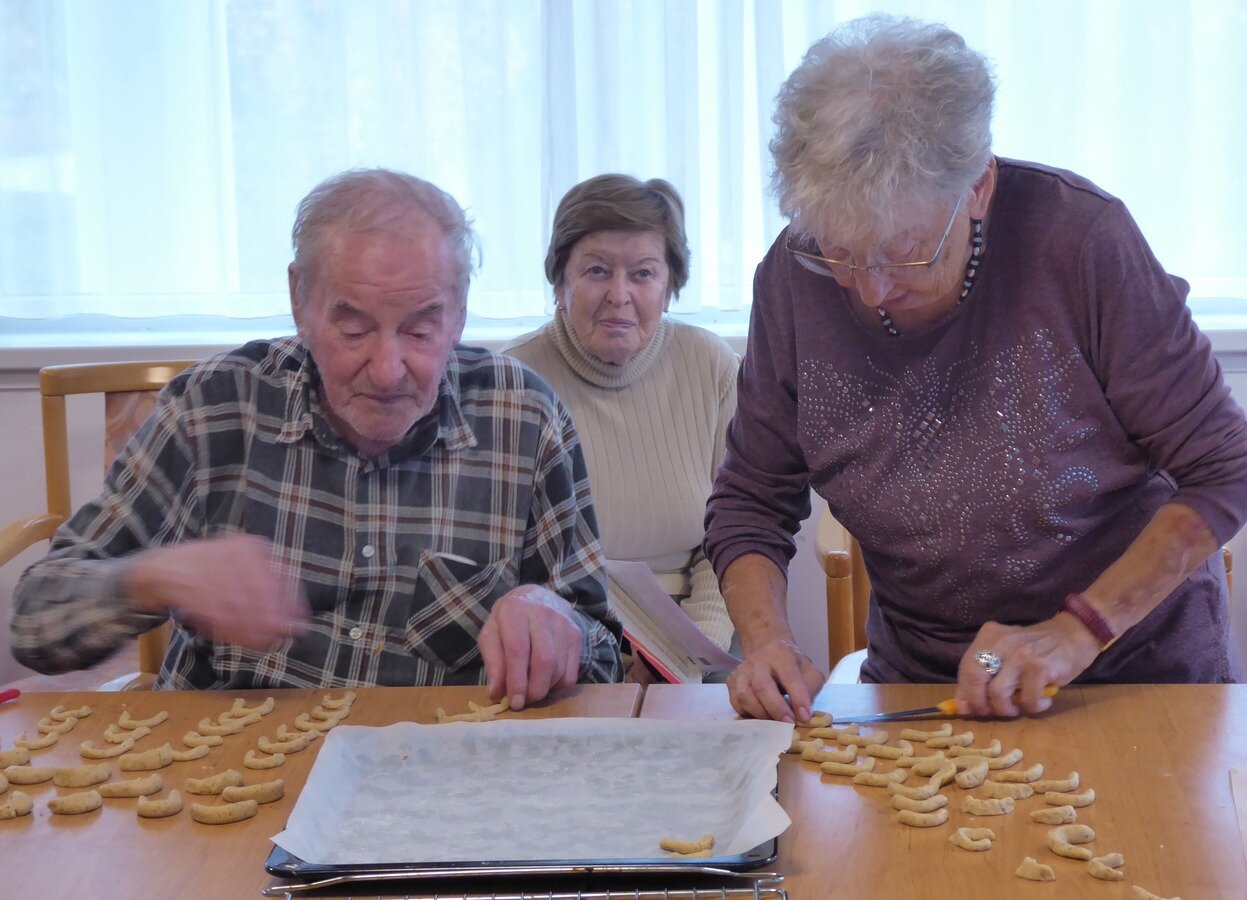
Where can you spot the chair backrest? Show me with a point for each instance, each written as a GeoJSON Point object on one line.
{"type": "Point", "coordinates": [129, 391]}
{"type": "Point", "coordinates": [848, 586]}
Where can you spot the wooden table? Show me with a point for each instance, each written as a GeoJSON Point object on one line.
{"type": "Point", "coordinates": [1158, 758]}
{"type": "Point", "coordinates": [113, 853]}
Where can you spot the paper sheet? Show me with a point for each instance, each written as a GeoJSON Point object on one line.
{"type": "Point", "coordinates": [1238, 787]}
{"type": "Point", "coordinates": [528, 790]}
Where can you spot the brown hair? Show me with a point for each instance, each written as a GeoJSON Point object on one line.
{"type": "Point", "coordinates": [620, 203]}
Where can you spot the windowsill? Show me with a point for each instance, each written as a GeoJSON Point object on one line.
{"type": "Point", "coordinates": [26, 345]}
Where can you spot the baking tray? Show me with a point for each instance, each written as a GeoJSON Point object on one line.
{"type": "Point", "coordinates": [286, 865]}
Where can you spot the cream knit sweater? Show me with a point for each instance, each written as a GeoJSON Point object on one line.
{"type": "Point", "coordinates": [653, 434]}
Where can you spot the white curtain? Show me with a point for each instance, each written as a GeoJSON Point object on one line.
{"type": "Point", "coordinates": [152, 151]}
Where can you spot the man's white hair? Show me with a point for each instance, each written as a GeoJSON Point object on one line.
{"type": "Point", "coordinates": [366, 199]}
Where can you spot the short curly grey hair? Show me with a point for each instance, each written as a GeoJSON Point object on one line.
{"type": "Point", "coordinates": [881, 112]}
{"type": "Point", "coordinates": [366, 199]}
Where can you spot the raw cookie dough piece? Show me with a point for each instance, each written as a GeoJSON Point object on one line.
{"type": "Point", "coordinates": [88, 750]}
{"type": "Point", "coordinates": [254, 761]}
{"type": "Point", "coordinates": [1029, 776]}
{"type": "Point", "coordinates": [912, 734]}
{"type": "Point", "coordinates": [159, 809]}
{"type": "Point", "coordinates": [1056, 798]}
{"type": "Point", "coordinates": [1099, 868]}
{"type": "Point", "coordinates": [195, 739]}
{"type": "Point", "coordinates": [348, 699]}
{"type": "Point", "coordinates": [987, 807]}
{"type": "Point", "coordinates": [1057, 784]}
{"type": "Point", "coordinates": [921, 820]}
{"type": "Point", "coordinates": [52, 726]}
{"type": "Point", "coordinates": [156, 758]}
{"type": "Point", "coordinates": [60, 713]}
{"type": "Point", "coordinates": [115, 734]}
{"type": "Point", "coordinates": [19, 756]}
{"type": "Point", "coordinates": [208, 727]}
{"type": "Point", "coordinates": [193, 753]}
{"type": "Point", "coordinates": [880, 779]}
{"type": "Point", "coordinates": [39, 743]}
{"type": "Point", "coordinates": [1032, 870]}
{"type": "Point", "coordinates": [675, 845]}
{"type": "Point", "coordinates": [965, 739]}
{"type": "Point", "coordinates": [264, 792]}
{"type": "Point", "coordinates": [931, 804]}
{"type": "Point", "coordinates": [224, 815]}
{"type": "Point", "coordinates": [1057, 815]}
{"type": "Point", "coordinates": [1062, 840]}
{"type": "Point", "coordinates": [1138, 893]}
{"type": "Point", "coordinates": [75, 804]}
{"type": "Point", "coordinates": [81, 776]}
{"type": "Point", "coordinates": [976, 840]}
{"type": "Point", "coordinates": [134, 787]}
{"type": "Point", "coordinates": [29, 774]}
{"type": "Point", "coordinates": [17, 805]}
{"type": "Point", "coordinates": [125, 720]}
{"type": "Point", "coordinates": [214, 784]}
{"type": "Point", "coordinates": [1000, 789]}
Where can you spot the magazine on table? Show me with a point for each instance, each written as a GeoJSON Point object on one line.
{"type": "Point", "coordinates": [660, 629]}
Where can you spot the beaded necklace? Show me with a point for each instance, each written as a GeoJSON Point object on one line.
{"type": "Point", "coordinates": [972, 269]}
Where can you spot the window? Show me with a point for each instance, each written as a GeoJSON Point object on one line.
{"type": "Point", "coordinates": [152, 153]}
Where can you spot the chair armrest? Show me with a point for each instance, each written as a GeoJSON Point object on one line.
{"type": "Point", "coordinates": [25, 533]}
{"type": "Point", "coordinates": [831, 546]}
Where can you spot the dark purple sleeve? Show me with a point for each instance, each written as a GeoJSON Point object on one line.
{"type": "Point", "coordinates": [1159, 374]}
{"type": "Point", "coordinates": [761, 494]}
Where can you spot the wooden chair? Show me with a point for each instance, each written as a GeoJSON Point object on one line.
{"type": "Point", "coordinates": [129, 392]}
{"type": "Point", "coordinates": [848, 590]}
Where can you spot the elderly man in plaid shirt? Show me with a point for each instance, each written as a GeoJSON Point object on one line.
{"type": "Point", "coordinates": [369, 502]}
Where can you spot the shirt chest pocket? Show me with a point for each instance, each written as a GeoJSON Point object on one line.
{"type": "Point", "coordinates": [451, 600]}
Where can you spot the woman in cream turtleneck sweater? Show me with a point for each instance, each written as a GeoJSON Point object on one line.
{"type": "Point", "coordinates": [651, 397]}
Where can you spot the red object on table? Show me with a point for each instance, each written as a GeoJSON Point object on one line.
{"type": "Point", "coordinates": [10, 694]}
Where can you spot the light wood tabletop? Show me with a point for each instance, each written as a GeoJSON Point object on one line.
{"type": "Point", "coordinates": [113, 853]}
{"type": "Point", "coordinates": [1158, 757]}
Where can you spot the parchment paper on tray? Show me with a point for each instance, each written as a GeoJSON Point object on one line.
{"type": "Point", "coordinates": [528, 790]}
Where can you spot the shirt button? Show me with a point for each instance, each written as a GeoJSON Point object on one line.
{"type": "Point", "coordinates": [356, 633]}
{"type": "Point", "coordinates": [368, 551]}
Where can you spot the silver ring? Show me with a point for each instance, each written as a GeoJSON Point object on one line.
{"type": "Point", "coordinates": [988, 660]}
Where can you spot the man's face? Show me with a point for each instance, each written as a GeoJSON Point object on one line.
{"type": "Point", "coordinates": [380, 318]}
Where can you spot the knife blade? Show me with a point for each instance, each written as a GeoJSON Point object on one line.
{"type": "Point", "coordinates": [944, 709]}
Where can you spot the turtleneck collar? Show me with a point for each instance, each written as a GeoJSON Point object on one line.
{"type": "Point", "coordinates": [595, 371]}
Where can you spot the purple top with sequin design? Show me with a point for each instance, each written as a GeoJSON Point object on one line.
{"type": "Point", "coordinates": [995, 461]}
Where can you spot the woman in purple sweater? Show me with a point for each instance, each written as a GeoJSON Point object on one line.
{"type": "Point", "coordinates": [982, 367]}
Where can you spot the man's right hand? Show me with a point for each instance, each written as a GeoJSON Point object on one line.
{"type": "Point", "coordinates": [230, 589]}
{"type": "Point", "coordinates": [757, 686]}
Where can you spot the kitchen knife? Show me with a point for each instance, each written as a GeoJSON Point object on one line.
{"type": "Point", "coordinates": [945, 708]}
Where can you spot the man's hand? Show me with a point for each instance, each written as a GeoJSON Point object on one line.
{"type": "Point", "coordinates": [1052, 652]}
{"type": "Point", "coordinates": [229, 588]}
{"type": "Point", "coordinates": [531, 645]}
{"type": "Point", "coordinates": [757, 686]}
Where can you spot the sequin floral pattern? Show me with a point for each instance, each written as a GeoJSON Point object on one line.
{"type": "Point", "coordinates": [973, 452]}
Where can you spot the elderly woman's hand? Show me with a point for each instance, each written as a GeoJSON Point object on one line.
{"type": "Point", "coordinates": [1053, 652]}
{"type": "Point", "coordinates": [757, 686]}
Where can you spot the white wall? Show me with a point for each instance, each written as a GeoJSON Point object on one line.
{"type": "Point", "coordinates": [21, 494]}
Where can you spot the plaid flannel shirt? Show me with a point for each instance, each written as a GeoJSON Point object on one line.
{"type": "Point", "coordinates": [402, 556]}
